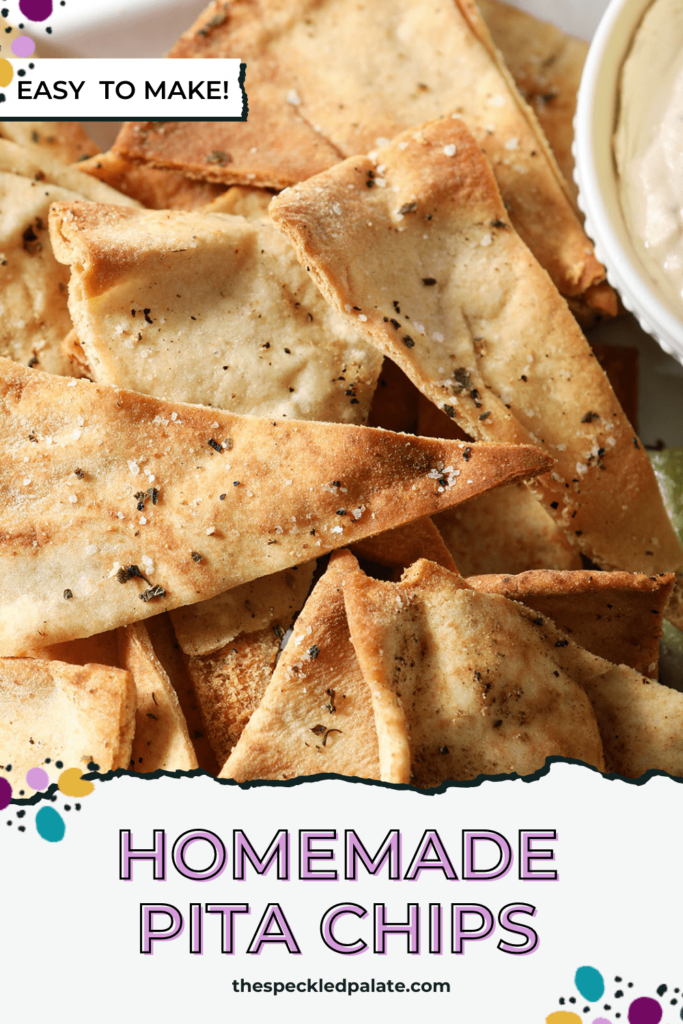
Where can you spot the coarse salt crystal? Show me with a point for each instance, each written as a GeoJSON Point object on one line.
{"type": "Point", "coordinates": [486, 240]}
{"type": "Point", "coordinates": [76, 434]}
{"type": "Point", "coordinates": [133, 467]}
{"type": "Point", "coordinates": [73, 499]}
{"type": "Point", "coordinates": [120, 515]}
{"type": "Point", "coordinates": [278, 529]}
{"type": "Point", "coordinates": [142, 520]}
{"type": "Point", "coordinates": [27, 481]}
{"type": "Point", "coordinates": [362, 317]}
{"type": "Point", "coordinates": [337, 529]}
{"type": "Point", "coordinates": [294, 98]}
{"type": "Point", "coordinates": [512, 144]}
{"type": "Point", "coordinates": [72, 383]}
{"type": "Point", "coordinates": [210, 530]}
{"type": "Point", "coordinates": [438, 336]}
{"type": "Point", "coordinates": [449, 150]}
{"type": "Point", "coordinates": [81, 421]}
{"type": "Point", "coordinates": [420, 328]}
{"type": "Point", "coordinates": [174, 416]}
{"type": "Point", "coordinates": [91, 549]}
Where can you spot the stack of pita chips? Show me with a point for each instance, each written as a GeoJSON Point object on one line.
{"type": "Point", "coordinates": [209, 561]}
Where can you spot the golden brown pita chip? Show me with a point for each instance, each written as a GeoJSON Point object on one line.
{"type": "Point", "coordinates": [616, 615]}
{"type": "Point", "coordinates": [68, 713]}
{"type": "Point", "coordinates": [459, 684]}
{"type": "Point", "coordinates": [229, 684]}
{"type": "Point", "coordinates": [161, 739]}
{"type": "Point", "coordinates": [546, 65]}
{"type": "Point", "coordinates": [204, 627]}
{"type": "Point", "coordinates": [355, 75]}
{"type": "Point", "coordinates": [641, 721]}
{"type": "Point", "coordinates": [442, 284]}
{"type": "Point", "coordinates": [225, 499]}
{"type": "Point", "coordinates": [210, 309]}
{"type": "Point", "coordinates": [316, 714]}
{"type": "Point", "coordinates": [506, 531]}
{"type": "Point", "coordinates": [401, 547]}
{"type": "Point", "coordinates": [157, 190]}
{"type": "Point", "coordinates": [167, 650]}
{"type": "Point", "coordinates": [66, 141]}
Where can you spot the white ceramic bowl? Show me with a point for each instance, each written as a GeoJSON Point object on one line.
{"type": "Point", "coordinates": [596, 175]}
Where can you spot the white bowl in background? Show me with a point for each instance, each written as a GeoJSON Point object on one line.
{"type": "Point", "coordinates": [596, 175]}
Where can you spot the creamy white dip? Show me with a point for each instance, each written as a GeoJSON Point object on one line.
{"type": "Point", "coordinates": [648, 147]}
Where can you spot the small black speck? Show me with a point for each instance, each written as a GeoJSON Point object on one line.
{"type": "Point", "coordinates": [92, 767]}
{"type": "Point", "coordinates": [68, 594]}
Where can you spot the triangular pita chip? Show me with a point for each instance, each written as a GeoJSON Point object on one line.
{"type": "Point", "coordinates": [506, 531]}
{"type": "Point", "coordinates": [73, 350]}
{"type": "Point", "coordinates": [68, 713]}
{"type": "Point", "coordinates": [208, 625]}
{"type": "Point", "coordinates": [96, 480]}
{"type": "Point", "coordinates": [458, 685]}
{"type": "Point", "coordinates": [316, 714]}
{"type": "Point", "coordinates": [157, 190]}
{"type": "Point", "coordinates": [357, 74]}
{"type": "Point", "coordinates": [546, 65]}
{"type": "Point", "coordinates": [161, 738]}
{"type": "Point", "coordinates": [616, 615]}
{"type": "Point", "coordinates": [429, 266]}
{"type": "Point", "coordinates": [241, 201]}
{"type": "Point", "coordinates": [167, 650]}
{"type": "Point", "coordinates": [230, 682]}
{"type": "Point", "coordinates": [34, 317]}
{"type": "Point", "coordinates": [210, 309]}
{"type": "Point", "coordinates": [401, 547]}
{"type": "Point", "coordinates": [66, 141]}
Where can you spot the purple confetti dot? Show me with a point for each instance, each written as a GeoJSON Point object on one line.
{"type": "Point", "coordinates": [22, 46]}
{"type": "Point", "coordinates": [5, 794]}
{"type": "Point", "coordinates": [37, 779]}
{"type": "Point", "coordinates": [645, 1011]}
{"type": "Point", "coordinates": [36, 10]}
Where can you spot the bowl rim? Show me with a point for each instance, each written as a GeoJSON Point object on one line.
{"type": "Point", "coordinates": [624, 271]}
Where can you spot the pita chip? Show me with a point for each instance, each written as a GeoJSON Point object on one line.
{"type": "Point", "coordinates": [230, 682]}
{"type": "Point", "coordinates": [355, 75]}
{"type": "Point", "coordinates": [459, 684]}
{"type": "Point", "coordinates": [73, 350]}
{"type": "Point", "coordinates": [154, 189]}
{"type": "Point", "coordinates": [208, 625]}
{"type": "Point", "coordinates": [507, 530]}
{"type": "Point", "coordinates": [167, 649]}
{"type": "Point", "coordinates": [33, 286]}
{"type": "Point", "coordinates": [399, 548]}
{"type": "Point", "coordinates": [69, 713]}
{"type": "Point", "coordinates": [443, 285]}
{"type": "Point", "coordinates": [546, 65]}
{"type": "Point", "coordinates": [161, 739]}
{"type": "Point", "coordinates": [616, 615]}
{"type": "Point", "coordinates": [641, 721]}
{"type": "Point", "coordinates": [66, 141]}
{"type": "Point", "coordinates": [211, 309]}
{"type": "Point", "coordinates": [316, 714]}
{"type": "Point", "coordinates": [116, 506]}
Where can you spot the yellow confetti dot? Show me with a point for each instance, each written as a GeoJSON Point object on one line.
{"type": "Point", "coordinates": [563, 1017]}
{"type": "Point", "coordinates": [72, 783]}
{"type": "Point", "coordinates": [6, 72]}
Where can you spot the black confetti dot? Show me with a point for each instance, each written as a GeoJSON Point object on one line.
{"type": "Point", "coordinates": [661, 990]}
{"type": "Point", "coordinates": [8, 767]}
{"type": "Point", "coordinates": [22, 828]}
{"type": "Point", "coordinates": [21, 814]}
{"type": "Point", "coordinates": [59, 764]}
{"type": "Point", "coordinates": [48, 760]}
{"type": "Point", "coordinates": [92, 767]}
{"type": "Point", "coordinates": [78, 807]}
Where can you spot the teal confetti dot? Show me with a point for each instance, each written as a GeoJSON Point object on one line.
{"type": "Point", "coordinates": [50, 824]}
